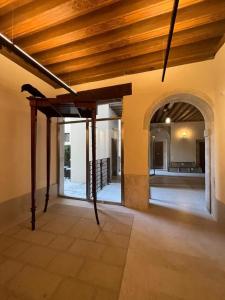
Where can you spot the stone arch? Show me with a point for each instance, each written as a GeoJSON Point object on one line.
{"type": "Point", "coordinates": [202, 102]}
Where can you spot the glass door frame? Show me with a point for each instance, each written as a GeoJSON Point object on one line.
{"type": "Point", "coordinates": [59, 162]}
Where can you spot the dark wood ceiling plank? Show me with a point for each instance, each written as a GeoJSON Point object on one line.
{"type": "Point", "coordinates": [181, 38]}
{"type": "Point", "coordinates": [178, 114]}
{"type": "Point", "coordinates": [9, 6]}
{"type": "Point", "coordinates": [192, 115]}
{"type": "Point", "coordinates": [189, 109]}
{"type": "Point", "coordinates": [142, 31]}
{"type": "Point", "coordinates": [176, 107]}
{"type": "Point", "coordinates": [40, 15]}
{"type": "Point", "coordinates": [159, 114]}
{"type": "Point", "coordinates": [107, 19]}
{"type": "Point", "coordinates": [147, 68]}
{"type": "Point", "coordinates": [144, 62]}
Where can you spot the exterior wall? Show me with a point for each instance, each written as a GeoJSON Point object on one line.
{"type": "Point", "coordinates": [15, 133]}
{"type": "Point", "coordinates": [104, 133]}
{"type": "Point", "coordinates": [184, 149]}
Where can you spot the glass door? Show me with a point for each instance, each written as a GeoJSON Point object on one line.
{"type": "Point", "coordinates": [76, 159]}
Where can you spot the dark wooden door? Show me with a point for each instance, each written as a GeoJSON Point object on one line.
{"type": "Point", "coordinates": [202, 155]}
{"type": "Point", "coordinates": [114, 157]}
{"type": "Point", "coordinates": [158, 155]}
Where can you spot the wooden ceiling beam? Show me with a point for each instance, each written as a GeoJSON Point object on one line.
{"type": "Point", "coordinates": [9, 6]}
{"type": "Point", "coordinates": [189, 110]}
{"type": "Point", "coordinates": [157, 44]}
{"type": "Point", "coordinates": [117, 16]}
{"type": "Point", "coordinates": [159, 114]}
{"type": "Point", "coordinates": [193, 114]}
{"type": "Point", "coordinates": [39, 15]}
{"type": "Point", "coordinates": [138, 32]}
{"type": "Point", "coordinates": [147, 62]}
{"type": "Point", "coordinates": [182, 109]}
{"type": "Point", "coordinates": [142, 69]}
{"type": "Point", "coordinates": [176, 107]}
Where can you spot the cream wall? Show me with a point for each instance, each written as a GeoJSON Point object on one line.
{"type": "Point", "coordinates": [218, 76]}
{"type": "Point", "coordinates": [15, 133]}
{"type": "Point", "coordinates": [183, 149]}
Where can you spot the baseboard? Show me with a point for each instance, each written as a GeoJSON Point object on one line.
{"type": "Point", "coordinates": [17, 209]}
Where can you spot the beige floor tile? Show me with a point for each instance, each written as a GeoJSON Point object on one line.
{"type": "Point", "coordinates": [87, 248]}
{"type": "Point", "coordinates": [38, 256]}
{"type": "Point", "coordinates": [104, 294]}
{"type": "Point", "coordinates": [34, 284]}
{"type": "Point", "coordinates": [72, 289]}
{"type": "Point", "coordinates": [114, 256]}
{"type": "Point", "coordinates": [113, 239]}
{"type": "Point", "coordinates": [85, 229]}
{"type": "Point", "coordinates": [58, 226]}
{"type": "Point", "coordinates": [13, 230]}
{"type": "Point", "coordinates": [2, 259]}
{"type": "Point", "coordinates": [102, 275]}
{"type": "Point", "coordinates": [9, 269]}
{"type": "Point", "coordinates": [5, 242]}
{"type": "Point", "coordinates": [123, 229]}
{"type": "Point", "coordinates": [4, 293]}
{"type": "Point", "coordinates": [38, 237]}
{"type": "Point", "coordinates": [66, 265]}
{"type": "Point", "coordinates": [16, 249]}
{"type": "Point", "coordinates": [61, 242]}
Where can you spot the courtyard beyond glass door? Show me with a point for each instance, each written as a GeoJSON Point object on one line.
{"type": "Point", "coordinates": [76, 179]}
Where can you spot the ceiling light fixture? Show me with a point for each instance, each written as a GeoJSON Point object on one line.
{"type": "Point", "coordinates": [10, 46]}
{"type": "Point", "coordinates": [168, 121]}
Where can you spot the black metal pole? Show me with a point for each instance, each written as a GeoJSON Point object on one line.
{"type": "Point", "coordinates": [33, 161]}
{"type": "Point", "coordinates": [170, 36]}
{"type": "Point", "coordinates": [94, 191]}
{"type": "Point", "coordinates": [48, 160]}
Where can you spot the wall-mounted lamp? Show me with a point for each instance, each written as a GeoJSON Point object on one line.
{"type": "Point", "coordinates": [168, 121]}
{"type": "Point", "coordinates": [184, 135]}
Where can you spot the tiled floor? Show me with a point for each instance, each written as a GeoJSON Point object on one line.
{"type": "Point", "coordinates": [160, 254]}
{"type": "Point", "coordinates": [68, 257]}
{"type": "Point", "coordinates": [110, 193]}
{"type": "Point", "coordinates": [184, 193]}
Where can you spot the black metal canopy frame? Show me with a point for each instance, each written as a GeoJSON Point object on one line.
{"type": "Point", "coordinates": [170, 36]}
{"type": "Point", "coordinates": [66, 106]}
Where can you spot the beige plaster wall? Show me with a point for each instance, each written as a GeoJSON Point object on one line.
{"type": "Point", "coordinates": [219, 77]}
{"type": "Point", "coordinates": [15, 133]}
{"type": "Point", "coordinates": [183, 149]}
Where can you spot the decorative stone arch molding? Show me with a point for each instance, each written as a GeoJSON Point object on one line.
{"type": "Point", "coordinates": [203, 103]}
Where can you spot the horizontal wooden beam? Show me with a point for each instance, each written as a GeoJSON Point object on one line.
{"type": "Point", "coordinates": [31, 17]}
{"type": "Point", "coordinates": [181, 38]}
{"type": "Point", "coordinates": [106, 19]}
{"type": "Point", "coordinates": [100, 95]}
{"type": "Point", "coordinates": [88, 98]}
{"type": "Point", "coordinates": [148, 62]}
{"type": "Point", "coordinates": [149, 29]}
{"type": "Point", "coordinates": [9, 6]}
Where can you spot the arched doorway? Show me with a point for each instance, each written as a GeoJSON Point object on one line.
{"type": "Point", "coordinates": [171, 158]}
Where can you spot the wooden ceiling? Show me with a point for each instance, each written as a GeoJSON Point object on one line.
{"type": "Point", "coordinates": [89, 40]}
{"type": "Point", "coordinates": [177, 112]}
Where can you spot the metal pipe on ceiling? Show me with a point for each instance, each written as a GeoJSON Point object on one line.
{"type": "Point", "coordinates": [170, 36]}
{"type": "Point", "coordinates": [10, 46]}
